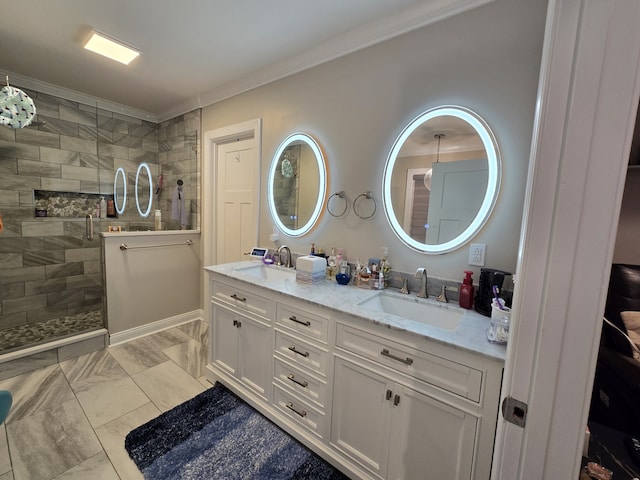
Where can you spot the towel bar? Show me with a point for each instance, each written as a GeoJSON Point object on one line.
{"type": "Point", "coordinates": [124, 246]}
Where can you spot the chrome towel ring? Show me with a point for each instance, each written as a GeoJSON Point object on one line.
{"type": "Point", "coordinates": [341, 195]}
{"type": "Point", "coordinates": [368, 195]}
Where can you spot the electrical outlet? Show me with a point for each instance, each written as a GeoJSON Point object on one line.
{"type": "Point", "coordinates": [476, 254]}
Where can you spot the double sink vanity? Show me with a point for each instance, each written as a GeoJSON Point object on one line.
{"type": "Point", "coordinates": [381, 384]}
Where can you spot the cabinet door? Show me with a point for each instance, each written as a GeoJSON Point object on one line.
{"type": "Point", "coordinates": [362, 402]}
{"type": "Point", "coordinates": [430, 439]}
{"type": "Point", "coordinates": [255, 354]}
{"type": "Point", "coordinates": [224, 339]}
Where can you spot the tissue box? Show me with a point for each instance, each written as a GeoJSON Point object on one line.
{"type": "Point", "coordinates": [311, 264]}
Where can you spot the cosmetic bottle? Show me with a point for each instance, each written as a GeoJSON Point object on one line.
{"type": "Point", "coordinates": [466, 291]}
{"type": "Point", "coordinates": [332, 265]}
{"type": "Point", "coordinates": [111, 208]}
{"type": "Point", "coordinates": [374, 277]}
{"type": "Point", "coordinates": [103, 208]}
{"type": "Point", "coordinates": [385, 266]}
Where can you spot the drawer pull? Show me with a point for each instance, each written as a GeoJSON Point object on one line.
{"type": "Point", "coordinates": [389, 394]}
{"type": "Point", "coordinates": [303, 383]}
{"type": "Point", "coordinates": [306, 323]}
{"type": "Point", "coordinates": [237, 323]}
{"type": "Point", "coordinates": [396, 400]}
{"type": "Point", "coordinates": [406, 361]}
{"type": "Point", "coordinates": [295, 350]}
{"type": "Point", "coordinates": [290, 406]}
{"type": "Point", "coordinates": [236, 297]}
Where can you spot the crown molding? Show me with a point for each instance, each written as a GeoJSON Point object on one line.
{"type": "Point", "coordinates": [74, 96]}
{"type": "Point", "coordinates": [391, 26]}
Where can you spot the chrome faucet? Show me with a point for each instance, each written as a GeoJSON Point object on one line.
{"type": "Point", "coordinates": [289, 263]}
{"type": "Point", "coordinates": [405, 286]}
{"type": "Point", "coordinates": [443, 295]}
{"type": "Point", "coordinates": [422, 274]}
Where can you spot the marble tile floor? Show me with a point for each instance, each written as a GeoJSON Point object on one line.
{"type": "Point", "coordinates": [69, 420]}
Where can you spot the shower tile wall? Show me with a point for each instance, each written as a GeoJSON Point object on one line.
{"type": "Point", "coordinates": [178, 154]}
{"type": "Point", "coordinates": [48, 269]}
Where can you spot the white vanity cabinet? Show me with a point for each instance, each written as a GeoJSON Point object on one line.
{"type": "Point", "coordinates": [377, 402]}
{"type": "Point", "coordinates": [241, 336]}
{"type": "Point", "coordinates": [405, 410]}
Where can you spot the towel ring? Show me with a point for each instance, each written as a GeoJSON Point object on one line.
{"type": "Point", "coordinates": [346, 204]}
{"type": "Point", "coordinates": [369, 196]}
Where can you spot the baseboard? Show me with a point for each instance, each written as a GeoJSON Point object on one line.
{"type": "Point", "coordinates": [164, 324]}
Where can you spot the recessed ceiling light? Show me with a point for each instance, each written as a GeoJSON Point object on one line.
{"type": "Point", "coordinates": [110, 48]}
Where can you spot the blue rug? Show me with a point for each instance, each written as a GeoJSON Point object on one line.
{"type": "Point", "coordinates": [216, 435]}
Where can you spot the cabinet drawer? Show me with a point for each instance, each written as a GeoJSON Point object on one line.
{"type": "Point", "coordinates": [302, 353]}
{"type": "Point", "coordinates": [243, 300]}
{"type": "Point", "coordinates": [305, 323]}
{"type": "Point", "coordinates": [446, 374]}
{"type": "Point", "coordinates": [299, 381]}
{"type": "Point", "coordinates": [300, 411]}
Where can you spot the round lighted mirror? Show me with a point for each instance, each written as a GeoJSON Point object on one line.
{"type": "Point", "coordinates": [297, 184]}
{"type": "Point", "coordinates": [120, 191]}
{"type": "Point", "coordinates": [441, 179]}
{"type": "Point", "coordinates": [144, 190]}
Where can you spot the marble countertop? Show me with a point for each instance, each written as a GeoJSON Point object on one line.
{"type": "Point", "coordinates": [471, 333]}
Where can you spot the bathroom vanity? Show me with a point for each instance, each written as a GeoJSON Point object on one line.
{"type": "Point", "coordinates": [375, 393]}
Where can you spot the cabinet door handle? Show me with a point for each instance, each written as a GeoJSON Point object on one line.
{"type": "Point", "coordinates": [303, 383]}
{"type": "Point", "coordinates": [306, 323]}
{"type": "Point", "coordinates": [389, 394]}
{"type": "Point", "coordinates": [290, 406]}
{"type": "Point", "coordinates": [295, 350]}
{"type": "Point", "coordinates": [396, 400]}
{"type": "Point", "coordinates": [406, 361]}
{"type": "Point", "coordinates": [237, 323]}
{"type": "Point", "coordinates": [236, 297]}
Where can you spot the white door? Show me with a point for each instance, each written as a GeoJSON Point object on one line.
{"type": "Point", "coordinates": [588, 97]}
{"type": "Point", "coordinates": [451, 213]}
{"type": "Point", "coordinates": [236, 211]}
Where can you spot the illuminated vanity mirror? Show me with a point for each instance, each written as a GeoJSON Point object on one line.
{"type": "Point", "coordinates": [297, 184]}
{"type": "Point", "coordinates": [441, 179]}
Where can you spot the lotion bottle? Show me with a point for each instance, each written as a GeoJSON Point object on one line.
{"type": "Point", "coordinates": [466, 291]}
{"type": "Point", "coordinates": [103, 208]}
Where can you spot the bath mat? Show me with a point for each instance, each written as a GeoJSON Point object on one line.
{"type": "Point", "coordinates": [216, 435]}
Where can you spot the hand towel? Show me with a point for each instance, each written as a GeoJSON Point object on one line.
{"type": "Point", "coordinates": [178, 209]}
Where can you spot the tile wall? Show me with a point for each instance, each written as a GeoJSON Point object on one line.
{"type": "Point", "coordinates": [48, 269]}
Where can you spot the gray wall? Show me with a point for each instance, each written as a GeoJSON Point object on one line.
{"type": "Point", "coordinates": [153, 283]}
{"type": "Point", "coordinates": [487, 60]}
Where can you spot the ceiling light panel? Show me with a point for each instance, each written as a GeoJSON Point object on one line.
{"type": "Point", "coordinates": [111, 48]}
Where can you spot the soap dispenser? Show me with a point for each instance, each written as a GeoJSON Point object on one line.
{"type": "Point", "coordinates": [466, 291]}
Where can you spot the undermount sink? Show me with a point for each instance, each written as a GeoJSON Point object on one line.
{"type": "Point", "coordinates": [267, 272]}
{"type": "Point", "coordinates": [417, 309]}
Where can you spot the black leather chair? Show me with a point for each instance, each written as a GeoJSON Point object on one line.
{"type": "Point", "coordinates": [616, 391]}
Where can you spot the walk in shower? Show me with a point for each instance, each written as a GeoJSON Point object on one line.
{"type": "Point", "coordinates": [53, 175]}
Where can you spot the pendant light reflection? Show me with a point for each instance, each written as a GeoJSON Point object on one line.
{"type": "Point", "coordinates": [429, 174]}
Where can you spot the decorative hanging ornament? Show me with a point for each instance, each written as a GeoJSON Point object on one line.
{"type": "Point", "coordinates": [17, 109]}
{"type": "Point", "coordinates": [286, 168]}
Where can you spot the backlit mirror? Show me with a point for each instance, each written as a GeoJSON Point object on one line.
{"type": "Point", "coordinates": [297, 184]}
{"type": "Point", "coordinates": [441, 179]}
